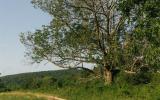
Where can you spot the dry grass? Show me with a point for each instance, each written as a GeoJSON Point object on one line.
{"type": "Point", "coordinates": [38, 95]}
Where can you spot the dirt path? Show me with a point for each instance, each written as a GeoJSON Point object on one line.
{"type": "Point", "coordinates": [39, 95]}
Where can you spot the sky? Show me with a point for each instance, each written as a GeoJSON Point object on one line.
{"type": "Point", "coordinates": [18, 16]}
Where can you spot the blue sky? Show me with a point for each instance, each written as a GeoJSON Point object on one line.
{"type": "Point", "coordinates": [18, 16]}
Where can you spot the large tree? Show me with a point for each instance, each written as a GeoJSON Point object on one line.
{"type": "Point", "coordinates": [106, 33]}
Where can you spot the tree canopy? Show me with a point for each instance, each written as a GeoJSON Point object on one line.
{"type": "Point", "coordinates": [110, 34]}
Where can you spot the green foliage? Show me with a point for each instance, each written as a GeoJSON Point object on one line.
{"type": "Point", "coordinates": [63, 86]}
{"type": "Point", "coordinates": [120, 90]}
{"type": "Point", "coordinates": [126, 37]}
{"type": "Point", "coordinates": [140, 78]}
{"type": "Point", "coordinates": [54, 79]}
{"type": "Point", "coordinates": [3, 87]}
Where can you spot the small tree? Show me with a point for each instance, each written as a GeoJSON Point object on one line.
{"type": "Point", "coordinates": [101, 32]}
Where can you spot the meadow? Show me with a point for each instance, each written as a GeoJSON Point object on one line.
{"type": "Point", "coordinates": [76, 85]}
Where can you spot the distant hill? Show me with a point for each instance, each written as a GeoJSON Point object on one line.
{"type": "Point", "coordinates": [38, 79]}
{"type": "Point", "coordinates": [56, 73]}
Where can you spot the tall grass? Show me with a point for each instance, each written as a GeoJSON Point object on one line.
{"type": "Point", "coordinates": [145, 86]}
{"type": "Point", "coordinates": [119, 90]}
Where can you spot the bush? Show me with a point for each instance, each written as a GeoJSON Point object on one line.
{"type": "Point", "coordinates": [48, 81]}
{"type": "Point", "coordinates": [60, 83]}
{"type": "Point", "coordinates": [36, 83]}
{"type": "Point", "coordinates": [142, 77]}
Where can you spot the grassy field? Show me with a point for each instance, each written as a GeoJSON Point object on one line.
{"type": "Point", "coordinates": [114, 92]}
{"type": "Point", "coordinates": [24, 95]}
{"type": "Point", "coordinates": [72, 85]}
{"type": "Point", "coordinates": [9, 96]}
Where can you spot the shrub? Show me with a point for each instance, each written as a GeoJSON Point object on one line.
{"type": "Point", "coordinates": [142, 77]}
{"type": "Point", "coordinates": [48, 81]}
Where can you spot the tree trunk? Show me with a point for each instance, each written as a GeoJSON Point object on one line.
{"type": "Point", "coordinates": [108, 78]}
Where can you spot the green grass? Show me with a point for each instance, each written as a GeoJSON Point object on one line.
{"type": "Point", "coordinates": [68, 86]}
{"type": "Point", "coordinates": [141, 92]}
{"type": "Point", "coordinates": [16, 97]}
{"type": "Point", "coordinates": [95, 90]}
